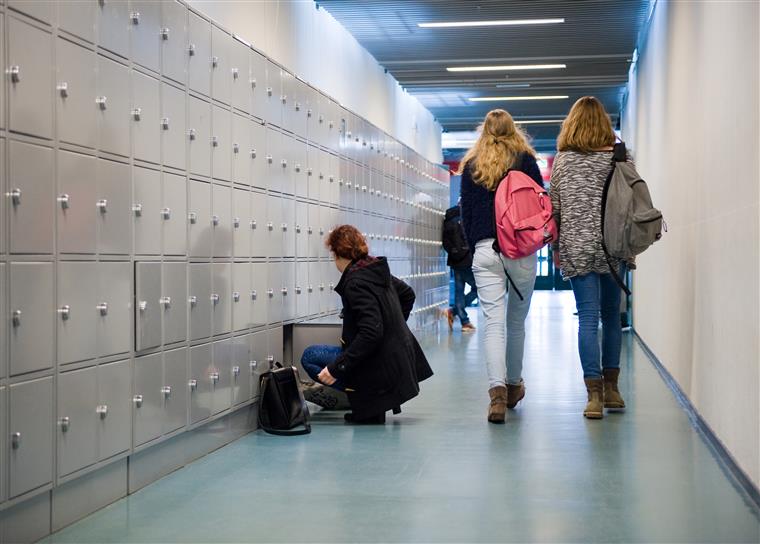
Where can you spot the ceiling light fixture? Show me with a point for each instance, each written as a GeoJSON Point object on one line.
{"type": "Point", "coordinates": [505, 67]}
{"type": "Point", "coordinates": [515, 98]}
{"type": "Point", "coordinates": [512, 85]}
{"type": "Point", "coordinates": [513, 22]}
{"type": "Point", "coordinates": [538, 121]}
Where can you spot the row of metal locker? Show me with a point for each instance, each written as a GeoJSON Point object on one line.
{"type": "Point", "coordinates": [106, 410]}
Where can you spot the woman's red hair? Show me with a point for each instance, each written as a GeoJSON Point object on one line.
{"type": "Point", "coordinates": [347, 242]}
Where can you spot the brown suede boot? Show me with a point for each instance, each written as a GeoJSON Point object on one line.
{"type": "Point", "coordinates": [612, 397]}
{"type": "Point", "coordinates": [498, 407]}
{"type": "Point", "coordinates": [595, 406]}
{"type": "Point", "coordinates": [515, 394]}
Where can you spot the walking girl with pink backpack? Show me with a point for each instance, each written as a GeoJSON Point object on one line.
{"type": "Point", "coordinates": [507, 218]}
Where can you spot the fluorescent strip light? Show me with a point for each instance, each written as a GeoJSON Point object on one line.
{"type": "Point", "coordinates": [539, 121]}
{"type": "Point", "coordinates": [514, 22]}
{"type": "Point", "coordinates": [512, 85]}
{"type": "Point", "coordinates": [514, 98]}
{"type": "Point", "coordinates": [505, 68]}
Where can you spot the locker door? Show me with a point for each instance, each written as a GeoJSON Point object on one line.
{"type": "Point", "coordinates": [288, 100]}
{"type": "Point", "coordinates": [174, 390]}
{"type": "Point", "coordinates": [335, 174]}
{"type": "Point", "coordinates": [114, 194]}
{"type": "Point", "coordinates": [314, 278]}
{"type": "Point", "coordinates": [302, 289]}
{"type": "Point", "coordinates": [289, 161]}
{"type": "Point", "coordinates": [146, 33]}
{"type": "Point", "coordinates": [199, 122]}
{"type": "Point", "coordinates": [145, 114]}
{"type": "Point", "coordinates": [241, 300]}
{"type": "Point", "coordinates": [258, 296]}
{"type": "Point", "coordinates": [312, 231]}
{"type": "Point", "coordinates": [274, 95]}
{"type": "Point", "coordinates": [31, 435]}
{"type": "Point", "coordinates": [300, 169]}
{"type": "Point", "coordinates": [113, 106]}
{"type": "Point", "coordinates": [241, 223]}
{"type": "Point", "coordinates": [175, 302]}
{"type": "Point", "coordinates": [221, 220]}
{"type": "Point", "coordinates": [258, 224]}
{"type": "Point", "coordinates": [113, 27]}
{"type": "Point", "coordinates": [201, 391]}
{"type": "Point", "coordinates": [258, 363]}
{"type": "Point", "coordinates": [76, 311]}
{"type": "Point", "coordinates": [221, 71]}
{"type": "Point", "coordinates": [288, 271]}
{"type": "Point", "coordinates": [221, 145]}
{"type": "Point", "coordinates": [31, 109]}
{"type": "Point", "coordinates": [199, 213]}
{"type": "Point", "coordinates": [241, 150]}
{"type": "Point", "coordinates": [274, 344]}
{"type": "Point", "coordinates": [200, 300]}
{"type": "Point", "coordinates": [147, 310]}
{"type": "Point", "coordinates": [31, 198]}
{"type": "Point", "coordinates": [302, 229]}
{"type": "Point", "coordinates": [31, 316]}
{"type": "Point", "coordinates": [274, 293]}
{"type": "Point", "coordinates": [221, 291]}
{"type": "Point", "coordinates": [260, 168]}
{"type": "Point", "coordinates": [314, 175]}
{"type": "Point", "coordinates": [258, 85]}
{"type": "Point", "coordinates": [75, 94]}
{"type": "Point", "coordinates": [221, 382]}
{"type": "Point", "coordinates": [147, 400]}
{"type": "Point", "coordinates": [325, 224]}
{"type": "Point", "coordinates": [199, 65]}
{"type": "Point", "coordinates": [173, 126]}
{"type": "Point", "coordinates": [3, 445]}
{"type": "Point", "coordinates": [274, 164]}
{"type": "Point", "coordinates": [288, 227]}
{"type": "Point", "coordinates": [146, 211]}
{"type": "Point", "coordinates": [241, 76]}
{"type": "Point", "coordinates": [114, 408]}
{"type": "Point", "coordinates": [76, 203]}
{"type": "Point", "coordinates": [3, 352]}
{"type": "Point", "coordinates": [300, 108]}
{"type": "Point", "coordinates": [77, 18]}
{"type": "Point", "coordinates": [174, 41]}
{"type": "Point", "coordinates": [241, 371]}
{"type": "Point", "coordinates": [174, 213]}
{"type": "Point", "coordinates": [274, 226]}
{"type": "Point", "coordinates": [77, 420]}
{"type": "Point", "coordinates": [114, 308]}
{"type": "Point", "coordinates": [313, 126]}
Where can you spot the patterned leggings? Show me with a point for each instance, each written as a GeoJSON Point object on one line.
{"type": "Point", "coordinates": [317, 357]}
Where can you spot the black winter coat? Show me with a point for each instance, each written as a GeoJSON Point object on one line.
{"type": "Point", "coordinates": [454, 242]}
{"type": "Point", "coordinates": [381, 364]}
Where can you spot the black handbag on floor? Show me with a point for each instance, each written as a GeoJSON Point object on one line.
{"type": "Point", "coordinates": [281, 405]}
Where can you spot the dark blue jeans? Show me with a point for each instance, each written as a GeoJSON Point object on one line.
{"type": "Point", "coordinates": [595, 295]}
{"type": "Point", "coordinates": [461, 301]}
{"type": "Point", "coordinates": [317, 357]}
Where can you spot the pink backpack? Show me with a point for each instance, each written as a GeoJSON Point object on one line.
{"type": "Point", "coordinates": [523, 215]}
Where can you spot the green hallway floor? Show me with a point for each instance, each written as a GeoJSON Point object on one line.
{"type": "Point", "coordinates": [440, 473]}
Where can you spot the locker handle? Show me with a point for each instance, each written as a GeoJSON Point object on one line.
{"type": "Point", "coordinates": [254, 295]}
{"type": "Point", "coordinates": [64, 423]}
{"type": "Point", "coordinates": [215, 220]}
{"type": "Point", "coordinates": [310, 288]}
{"type": "Point", "coordinates": [102, 308]}
{"type": "Point", "coordinates": [284, 291]}
{"type": "Point", "coordinates": [236, 148]}
{"type": "Point", "coordinates": [214, 376]}
{"type": "Point", "coordinates": [235, 73]}
{"type": "Point", "coordinates": [164, 33]}
{"type": "Point", "coordinates": [309, 172]}
{"type": "Point", "coordinates": [193, 300]}
{"type": "Point", "coordinates": [236, 371]}
{"type": "Point", "coordinates": [253, 83]}
{"type": "Point", "coordinates": [298, 167]}
{"type": "Point", "coordinates": [165, 123]}
{"type": "Point", "coordinates": [166, 302]}
{"type": "Point", "coordinates": [135, 17]}
{"type": "Point", "coordinates": [236, 296]}
{"type": "Point", "coordinates": [269, 91]}
{"type": "Point", "coordinates": [16, 318]}
{"type": "Point", "coordinates": [364, 188]}
{"type": "Point", "coordinates": [102, 411]}
{"type": "Point", "coordinates": [138, 400]}
{"type": "Point", "coordinates": [298, 106]}
{"type": "Point", "coordinates": [298, 290]}
{"type": "Point", "coordinates": [101, 102]}
{"type": "Point", "coordinates": [253, 224]}
{"type": "Point", "coordinates": [269, 159]}
{"type": "Point", "coordinates": [166, 213]}
{"type": "Point", "coordinates": [310, 230]}
{"type": "Point", "coordinates": [270, 292]}
{"type": "Point", "coordinates": [298, 229]}
{"type": "Point", "coordinates": [253, 153]}
{"type": "Point", "coordinates": [284, 163]}
{"type": "Point", "coordinates": [284, 227]}
{"type": "Point", "coordinates": [102, 205]}
{"type": "Point", "coordinates": [191, 50]}
{"type": "Point", "coordinates": [236, 222]}
{"type": "Point", "coordinates": [15, 73]}
{"type": "Point", "coordinates": [270, 226]}
{"type": "Point", "coordinates": [215, 298]}
{"type": "Point", "coordinates": [16, 440]}
{"type": "Point", "coordinates": [143, 305]}
{"type": "Point", "coordinates": [321, 119]}
{"type": "Point", "coordinates": [340, 181]}
{"type": "Point", "coordinates": [15, 196]}
{"type": "Point", "coordinates": [252, 365]}
{"type": "Point", "coordinates": [348, 184]}
{"type": "Point", "coordinates": [137, 209]}
{"type": "Point", "coordinates": [193, 385]}
{"type": "Point", "coordinates": [191, 134]}
{"type": "Point", "coordinates": [63, 200]}
{"type": "Point", "coordinates": [192, 217]}
{"type": "Point", "coordinates": [136, 113]}
{"type": "Point", "coordinates": [64, 311]}
{"type": "Point", "coordinates": [284, 98]}
{"type": "Point", "coordinates": [214, 61]}
{"type": "Point", "coordinates": [63, 89]}
{"type": "Point", "coordinates": [166, 391]}
{"type": "Point", "coordinates": [214, 141]}
{"type": "Point", "coordinates": [308, 113]}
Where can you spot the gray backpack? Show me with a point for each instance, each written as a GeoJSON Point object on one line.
{"type": "Point", "coordinates": [630, 223]}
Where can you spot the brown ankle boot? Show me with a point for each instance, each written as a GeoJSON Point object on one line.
{"type": "Point", "coordinates": [612, 397]}
{"type": "Point", "coordinates": [515, 394]}
{"type": "Point", "coordinates": [498, 407]}
{"type": "Point", "coordinates": [595, 406]}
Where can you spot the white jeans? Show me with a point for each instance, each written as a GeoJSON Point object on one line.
{"type": "Point", "coordinates": [491, 281]}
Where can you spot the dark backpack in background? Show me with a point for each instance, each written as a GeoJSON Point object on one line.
{"type": "Point", "coordinates": [454, 241]}
{"type": "Point", "coordinates": [282, 407]}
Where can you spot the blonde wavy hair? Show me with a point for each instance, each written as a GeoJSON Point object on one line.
{"type": "Point", "coordinates": [586, 128]}
{"type": "Point", "coordinates": [498, 146]}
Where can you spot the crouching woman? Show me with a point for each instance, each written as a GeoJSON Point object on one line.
{"type": "Point", "coordinates": [380, 363]}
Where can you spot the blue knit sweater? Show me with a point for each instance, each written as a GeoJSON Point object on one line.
{"type": "Point", "coordinates": [477, 201]}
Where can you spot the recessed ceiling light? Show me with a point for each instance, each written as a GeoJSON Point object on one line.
{"type": "Point", "coordinates": [511, 98]}
{"type": "Point", "coordinates": [514, 22]}
{"type": "Point", "coordinates": [505, 67]}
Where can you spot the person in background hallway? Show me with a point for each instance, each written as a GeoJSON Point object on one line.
{"type": "Point", "coordinates": [460, 261]}
{"type": "Point", "coordinates": [380, 363]}
{"type": "Point", "coordinates": [501, 146]}
{"type": "Point", "coordinates": [585, 146]}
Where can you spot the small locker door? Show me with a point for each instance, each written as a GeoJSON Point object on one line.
{"type": "Point", "coordinates": [147, 400]}
{"type": "Point", "coordinates": [75, 94]}
{"type": "Point", "coordinates": [146, 33]}
{"type": "Point", "coordinates": [241, 223]}
{"type": "Point", "coordinates": [114, 408]}
{"type": "Point", "coordinates": [145, 114]}
{"type": "Point", "coordinates": [300, 108]}
{"type": "Point", "coordinates": [312, 231]}
{"type": "Point", "coordinates": [288, 271]}
{"type": "Point", "coordinates": [172, 125]}
{"type": "Point", "coordinates": [258, 363]}
{"type": "Point", "coordinates": [199, 215]}
{"type": "Point", "coordinates": [274, 292]}
{"type": "Point", "coordinates": [260, 167]}
{"type": "Point", "coordinates": [76, 311]}
{"type": "Point", "coordinates": [300, 169]}
{"type": "Point", "coordinates": [114, 203]}
{"type": "Point", "coordinates": [201, 390]}
{"type": "Point", "coordinates": [287, 100]}
{"type": "Point", "coordinates": [241, 300]}
{"type": "Point", "coordinates": [221, 145]}
{"type": "Point", "coordinates": [3, 445]}
{"type": "Point", "coordinates": [289, 154]}
{"type": "Point", "coordinates": [200, 300]}
{"type": "Point", "coordinates": [31, 197]}
{"type": "Point", "coordinates": [113, 27]}
{"type": "Point", "coordinates": [148, 308]}
{"type": "Point", "coordinates": [258, 295]}
{"type": "Point", "coordinates": [221, 296]}
{"type": "Point", "coordinates": [258, 224]}
{"type": "Point", "coordinates": [31, 435]}
{"type": "Point", "coordinates": [174, 390]}
{"type": "Point", "coordinates": [221, 220]}
{"type": "Point", "coordinates": [31, 317]}
{"type": "Point", "coordinates": [78, 18]}
{"type": "Point", "coordinates": [199, 133]}
{"type": "Point", "coordinates": [221, 379]}
{"type": "Point", "coordinates": [76, 203]}
{"type": "Point", "coordinates": [312, 289]}
{"type": "Point", "coordinates": [199, 54]}
{"type": "Point", "coordinates": [241, 149]}
{"type": "Point", "coordinates": [114, 308]}
{"type": "Point", "coordinates": [30, 75]}
{"type": "Point", "coordinates": [174, 214]}
{"type": "Point", "coordinates": [77, 420]}
{"type": "Point", "coordinates": [221, 71]}
{"type": "Point", "coordinates": [274, 226]}
{"type": "Point", "coordinates": [113, 106]}
{"type": "Point", "coordinates": [3, 347]}
{"type": "Point", "coordinates": [174, 302]}
{"type": "Point", "coordinates": [314, 173]}
{"type": "Point", "coordinates": [302, 289]}
{"type": "Point", "coordinates": [275, 345]}
{"type": "Point", "coordinates": [288, 227]}
{"type": "Point", "coordinates": [241, 76]}
{"type": "Point", "coordinates": [146, 211]}
{"type": "Point", "coordinates": [241, 371]}
{"type": "Point", "coordinates": [302, 229]}
{"type": "Point", "coordinates": [274, 95]}
{"type": "Point", "coordinates": [274, 164]}
{"type": "Point", "coordinates": [174, 41]}
{"type": "Point", "coordinates": [258, 86]}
